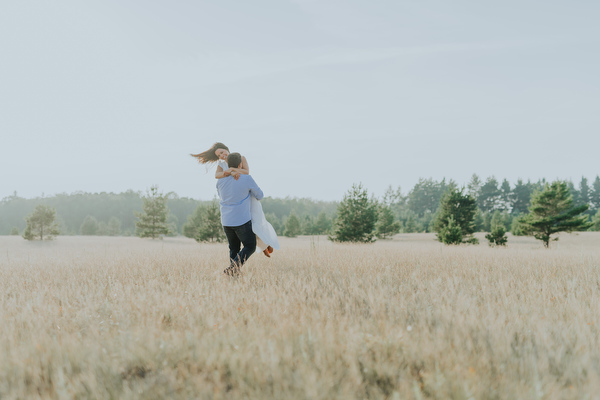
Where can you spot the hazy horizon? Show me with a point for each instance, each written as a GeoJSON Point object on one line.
{"type": "Point", "coordinates": [107, 96]}
{"type": "Point", "coordinates": [405, 191]}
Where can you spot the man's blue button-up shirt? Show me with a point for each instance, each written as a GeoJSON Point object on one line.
{"type": "Point", "coordinates": [235, 199]}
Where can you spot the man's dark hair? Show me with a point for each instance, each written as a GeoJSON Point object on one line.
{"type": "Point", "coordinates": [234, 160]}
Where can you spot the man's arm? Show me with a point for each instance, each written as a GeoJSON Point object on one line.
{"type": "Point", "coordinates": [254, 189]}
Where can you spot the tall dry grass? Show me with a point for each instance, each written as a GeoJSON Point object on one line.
{"type": "Point", "coordinates": [126, 318]}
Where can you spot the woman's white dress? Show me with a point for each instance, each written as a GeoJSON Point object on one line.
{"type": "Point", "coordinates": [265, 234]}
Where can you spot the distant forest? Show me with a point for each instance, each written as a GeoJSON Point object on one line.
{"type": "Point", "coordinates": [415, 210]}
{"type": "Point", "coordinates": [73, 209]}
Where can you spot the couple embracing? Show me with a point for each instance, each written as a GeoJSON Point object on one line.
{"type": "Point", "coordinates": [242, 216]}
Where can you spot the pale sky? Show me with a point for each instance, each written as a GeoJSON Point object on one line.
{"type": "Point", "coordinates": [113, 95]}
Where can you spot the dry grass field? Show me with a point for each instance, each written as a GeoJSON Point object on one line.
{"type": "Point", "coordinates": [127, 318]}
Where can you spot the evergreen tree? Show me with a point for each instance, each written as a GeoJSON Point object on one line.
{"type": "Point", "coordinates": [275, 223]}
{"type": "Point", "coordinates": [506, 196]}
{"type": "Point", "coordinates": [308, 225]}
{"type": "Point", "coordinates": [152, 222]}
{"type": "Point", "coordinates": [386, 223]}
{"type": "Point", "coordinates": [584, 192]}
{"type": "Point", "coordinates": [393, 197]}
{"type": "Point", "coordinates": [194, 222]}
{"type": "Point", "coordinates": [490, 197]}
{"type": "Point", "coordinates": [496, 220]}
{"type": "Point", "coordinates": [457, 211]}
{"type": "Point", "coordinates": [500, 218]}
{"type": "Point", "coordinates": [450, 232]}
{"type": "Point", "coordinates": [89, 227]}
{"type": "Point", "coordinates": [521, 195]}
{"type": "Point", "coordinates": [595, 194]}
{"type": "Point", "coordinates": [497, 237]}
{"type": "Point", "coordinates": [551, 211]}
{"type": "Point", "coordinates": [596, 222]}
{"type": "Point", "coordinates": [205, 224]}
{"type": "Point", "coordinates": [474, 186]}
{"type": "Point", "coordinates": [41, 224]}
{"type": "Point", "coordinates": [14, 231]}
{"type": "Point", "coordinates": [172, 224]}
{"type": "Point", "coordinates": [479, 222]}
{"type": "Point", "coordinates": [487, 221]}
{"type": "Point", "coordinates": [292, 225]}
{"type": "Point", "coordinates": [517, 228]}
{"type": "Point", "coordinates": [574, 192]}
{"type": "Point", "coordinates": [102, 229]}
{"type": "Point", "coordinates": [114, 226]}
{"type": "Point", "coordinates": [211, 229]}
{"type": "Point", "coordinates": [410, 226]}
{"type": "Point", "coordinates": [425, 196]}
{"type": "Point", "coordinates": [356, 217]}
{"type": "Point", "coordinates": [323, 223]}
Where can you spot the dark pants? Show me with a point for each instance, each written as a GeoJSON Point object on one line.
{"type": "Point", "coordinates": [236, 236]}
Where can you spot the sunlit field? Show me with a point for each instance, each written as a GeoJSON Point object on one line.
{"type": "Point", "coordinates": [408, 318]}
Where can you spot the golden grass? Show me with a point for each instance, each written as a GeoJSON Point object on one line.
{"type": "Point", "coordinates": [127, 318]}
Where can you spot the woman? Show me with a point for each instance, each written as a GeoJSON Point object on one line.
{"type": "Point", "coordinates": [266, 238]}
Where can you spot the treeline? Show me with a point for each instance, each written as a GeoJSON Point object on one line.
{"type": "Point", "coordinates": [113, 214]}
{"type": "Point", "coordinates": [496, 201]}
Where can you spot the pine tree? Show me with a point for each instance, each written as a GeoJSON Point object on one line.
{"type": "Point", "coordinates": [393, 197]}
{"type": "Point", "coordinates": [425, 196]}
{"type": "Point", "coordinates": [205, 224]}
{"type": "Point", "coordinates": [211, 229]}
{"type": "Point", "coordinates": [14, 231]}
{"type": "Point", "coordinates": [521, 196]}
{"type": "Point", "coordinates": [497, 237]}
{"type": "Point", "coordinates": [102, 229]}
{"type": "Point", "coordinates": [595, 194]}
{"type": "Point", "coordinates": [308, 225]}
{"type": "Point", "coordinates": [506, 202]}
{"type": "Point", "coordinates": [172, 224]}
{"type": "Point", "coordinates": [410, 226]}
{"type": "Point", "coordinates": [451, 232]}
{"type": "Point", "coordinates": [596, 222]}
{"type": "Point", "coordinates": [487, 221]}
{"type": "Point", "coordinates": [194, 222]}
{"type": "Point", "coordinates": [89, 227]}
{"type": "Point", "coordinates": [292, 225]}
{"type": "Point", "coordinates": [574, 192]}
{"type": "Point", "coordinates": [479, 221]}
{"type": "Point", "coordinates": [356, 217]}
{"type": "Point", "coordinates": [490, 197]}
{"type": "Point", "coordinates": [474, 186]}
{"type": "Point", "coordinates": [386, 223]}
{"type": "Point", "coordinates": [41, 224]}
{"type": "Point", "coordinates": [500, 218]}
{"type": "Point", "coordinates": [323, 223]}
{"type": "Point", "coordinates": [584, 192]}
{"type": "Point", "coordinates": [517, 228]}
{"type": "Point", "coordinates": [275, 222]}
{"type": "Point", "coordinates": [114, 226]}
{"type": "Point", "coordinates": [551, 211]}
{"type": "Point", "coordinates": [152, 222]}
{"type": "Point", "coordinates": [458, 210]}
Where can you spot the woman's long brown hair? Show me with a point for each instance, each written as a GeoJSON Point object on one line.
{"type": "Point", "coordinates": [209, 155]}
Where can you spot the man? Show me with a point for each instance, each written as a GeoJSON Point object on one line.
{"type": "Point", "coordinates": [235, 214]}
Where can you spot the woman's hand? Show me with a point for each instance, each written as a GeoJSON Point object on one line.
{"type": "Point", "coordinates": [235, 174]}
